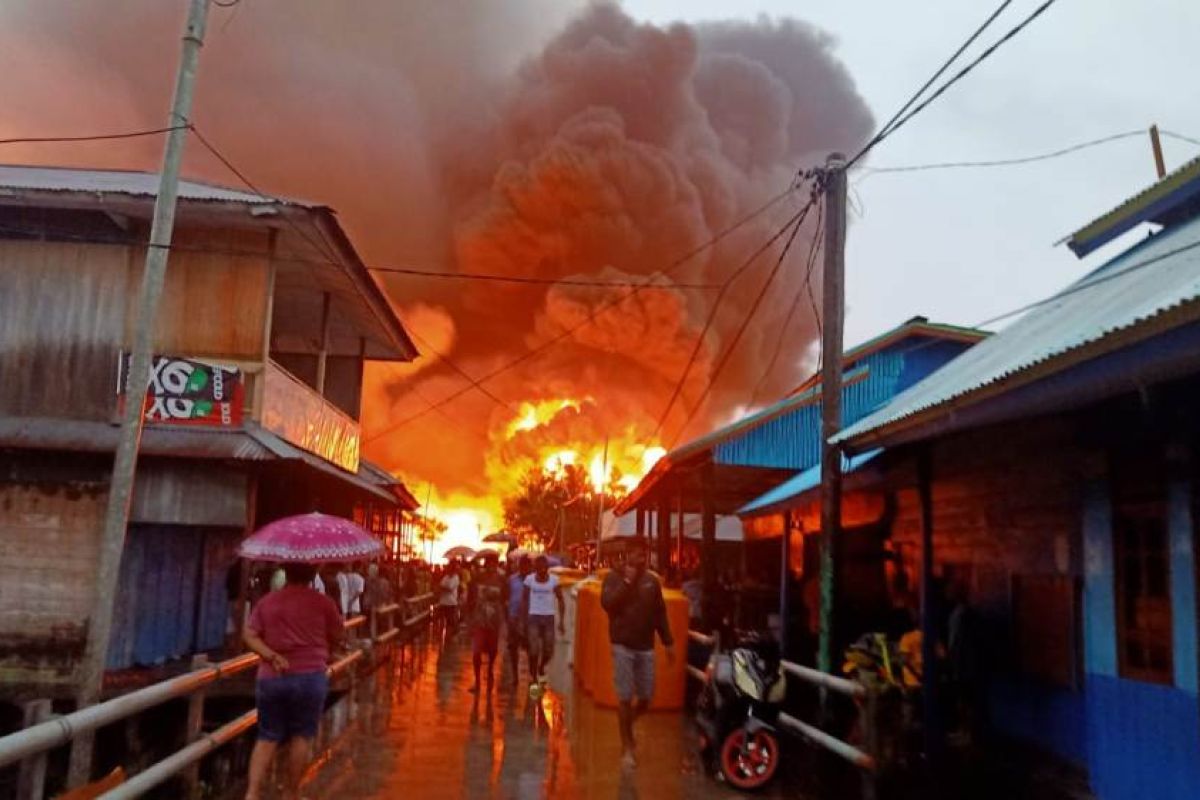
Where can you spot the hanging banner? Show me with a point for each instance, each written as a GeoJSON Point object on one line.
{"type": "Point", "coordinates": [187, 392]}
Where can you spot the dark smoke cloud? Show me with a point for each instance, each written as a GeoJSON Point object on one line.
{"type": "Point", "coordinates": [538, 137]}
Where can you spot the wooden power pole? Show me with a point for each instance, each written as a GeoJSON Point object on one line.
{"type": "Point", "coordinates": [831, 397]}
{"type": "Point", "coordinates": [120, 490]}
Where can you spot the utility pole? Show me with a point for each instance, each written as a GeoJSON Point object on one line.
{"type": "Point", "coordinates": [831, 397]}
{"type": "Point", "coordinates": [120, 492]}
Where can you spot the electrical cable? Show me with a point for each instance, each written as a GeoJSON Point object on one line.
{"type": "Point", "coordinates": [885, 131]}
{"type": "Point", "coordinates": [814, 248]}
{"type": "Point", "coordinates": [1037, 12]}
{"type": "Point", "coordinates": [591, 315]}
{"type": "Point", "coordinates": [724, 360]}
{"type": "Point", "coordinates": [797, 219]}
{"type": "Point", "coordinates": [1005, 162]}
{"type": "Point", "coordinates": [1180, 137]}
{"type": "Point", "coordinates": [522, 279]}
{"type": "Point", "coordinates": [99, 137]}
{"type": "Point", "coordinates": [597, 311]}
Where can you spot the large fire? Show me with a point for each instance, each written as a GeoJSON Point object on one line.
{"type": "Point", "coordinates": [530, 442]}
{"type": "Point", "coordinates": [572, 142]}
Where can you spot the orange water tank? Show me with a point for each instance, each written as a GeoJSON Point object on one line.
{"type": "Point", "coordinates": [593, 653]}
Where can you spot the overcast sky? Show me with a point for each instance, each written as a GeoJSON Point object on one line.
{"type": "Point", "coordinates": [964, 245]}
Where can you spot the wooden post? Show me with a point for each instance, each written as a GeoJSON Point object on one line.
{"type": "Point", "coordinates": [31, 777]}
{"type": "Point", "coordinates": [679, 526]}
{"type": "Point", "coordinates": [194, 730]}
{"type": "Point", "coordinates": [663, 544]}
{"type": "Point", "coordinates": [785, 549]}
{"type": "Point", "coordinates": [929, 626]}
{"type": "Point", "coordinates": [1160, 166]}
{"type": "Point", "coordinates": [708, 545]}
{"type": "Point", "coordinates": [640, 521]}
{"type": "Point", "coordinates": [141, 356]}
{"type": "Point", "coordinates": [323, 355]}
{"type": "Point", "coordinates": [831, 399]}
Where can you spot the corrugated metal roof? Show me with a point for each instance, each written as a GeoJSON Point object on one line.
{"type": "Point", "coordinates": [786, 493]}
{"type": "Point", "coordinates": [126, 182]}
{"type": "Point", "coordinates": [786, 434]}
{"type": "Point", "coordinates": [1161, 202]}
{"type": "Point", "coordinates": [252, 443]}
{"type": "Point", "coordinates": [1160, 274]}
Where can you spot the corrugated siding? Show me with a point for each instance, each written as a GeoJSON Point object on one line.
{"type": "Point", "coordinates": [1147, 280]}
{"type": "Point", "coordinates": [171, 600]}
{"type": "Point", "coordinates": [792, 441]}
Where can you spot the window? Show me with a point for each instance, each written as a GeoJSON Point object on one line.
{"type": "Point", "coordinates": [1143, 591]}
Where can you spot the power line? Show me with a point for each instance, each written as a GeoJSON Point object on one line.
{"type": "Point", "coordinates": [1180, 137]}
{"type": "Point", "coordinates": [903, 120]}
{"type": "Point", "coordinates": [99, 137]}
{"type": "Point", "coordinates": [796, 219]}
{"type": "Point", "coordinates": [525, 279]}
{"type": "Point", "coordinates": [716, 373]}
{"type": "Point", "coordinates": [886, 130]}
{"type": "Point", "coordinates": [1005, 162]}
{"type": "Point", "coordinates": [1037, 12]}
{"type": "Point", "coordinates": [599, 309]}
{"type": "Point", "coordinates": [591, 315]}
{"type": "Point", "coordinates": [327, 249]}
{"type": "Point", "coordinates": [805, 288]}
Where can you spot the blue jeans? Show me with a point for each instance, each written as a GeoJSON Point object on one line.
{"type": "Point", "coordinates": [290, 706]}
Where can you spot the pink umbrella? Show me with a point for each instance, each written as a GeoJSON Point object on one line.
{"type": "Point", "coordinates": [310, 539]}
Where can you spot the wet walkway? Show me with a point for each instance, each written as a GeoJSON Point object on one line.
{"type": "Point", "coordinates": [427, 737]}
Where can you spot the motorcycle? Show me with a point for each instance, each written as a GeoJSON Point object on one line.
{"type": "Point", "coordinates": [737, 709]}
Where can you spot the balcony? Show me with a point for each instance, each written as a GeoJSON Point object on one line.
{"type": "Point", "coordinates": [294, 411]}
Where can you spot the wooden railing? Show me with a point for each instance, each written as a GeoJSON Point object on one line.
{"type": "Point", "coordinates": [30, 746]}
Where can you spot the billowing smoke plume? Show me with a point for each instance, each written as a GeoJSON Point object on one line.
{"type": "Point", "coordinates": [535, 138]}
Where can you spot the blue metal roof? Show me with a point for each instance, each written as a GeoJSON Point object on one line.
{"type": "Point", "coordinates": [1163, 202]}
{"type": "Point", "coordinates": [787, 435]}
{"type": "Point", "coordinates": [1133, 291]}
{"type": "Point", "coordinates": [793, 441]}
{"type": "Point", "coordinates": [786, 493]}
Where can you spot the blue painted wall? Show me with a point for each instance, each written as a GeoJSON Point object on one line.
{"type": "Point", "coordinates": [1143, 739]}
{"type": "Point", "coordinates": [792, 440]}
{"type": "Point", "coordinates": [172, 600]}
{"type": "Point", "coordinates": [1047, 717]}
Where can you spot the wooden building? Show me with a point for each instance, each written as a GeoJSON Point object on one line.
{"type": "Point", "coordinates": [1048, 478]}
{"type": "Point", "coordinates": [252, 414]}
{"type": "Point", "coordinates": [719, 473]}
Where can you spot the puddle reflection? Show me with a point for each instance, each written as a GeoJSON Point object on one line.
{"type": "Point", "coordinates": [426, 736]}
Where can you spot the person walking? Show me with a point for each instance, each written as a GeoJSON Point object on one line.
{"type": "Point", "coordinates": [633, 599]}
{"type": "Point", "coordinates": [487, 615]}
{"type": "Point", "coordinates": [542, 590]}
{"type": "Point", "coordinates": [516, 630]}
{"type": "Point", "coordinates": [295, 630]}
{"type": "Point", "coordinates": [448, 588]}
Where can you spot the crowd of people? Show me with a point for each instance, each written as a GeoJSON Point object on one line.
{"type": "Point", "coordinates": [297, 627]}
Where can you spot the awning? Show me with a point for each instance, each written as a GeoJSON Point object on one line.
{"type": "Point", "coordinates": [786, 494]}
{"type": "Point", "coordinates": [249, 443]}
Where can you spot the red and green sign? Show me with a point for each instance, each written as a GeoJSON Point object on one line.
{"type": "Point", "coordinates": [187, 392]}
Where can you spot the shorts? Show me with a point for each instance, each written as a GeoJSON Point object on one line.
{"type": "Point", "coordinates": [541, 634]}
{"type": "Point", "coordinates": [515, 635]}
{"type": "Point", "coordinates": [290, 706]}
{"type": "Point", "coordinates": [485, 641]}
{"type": "Point", "coordinates": [633, 673]}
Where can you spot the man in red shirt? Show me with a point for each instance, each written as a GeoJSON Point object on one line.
{"type": "Point", "coordinates": [295, 630]}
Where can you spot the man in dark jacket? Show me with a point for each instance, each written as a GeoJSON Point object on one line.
{"type": "Point", "coordinates": [636, 610]}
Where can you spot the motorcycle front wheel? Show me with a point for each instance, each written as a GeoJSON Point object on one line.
{"type": "Point", "coordinates": [749, 761]}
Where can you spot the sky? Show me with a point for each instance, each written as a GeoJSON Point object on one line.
{"type": "Point", "coordinates": [965, 245]}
